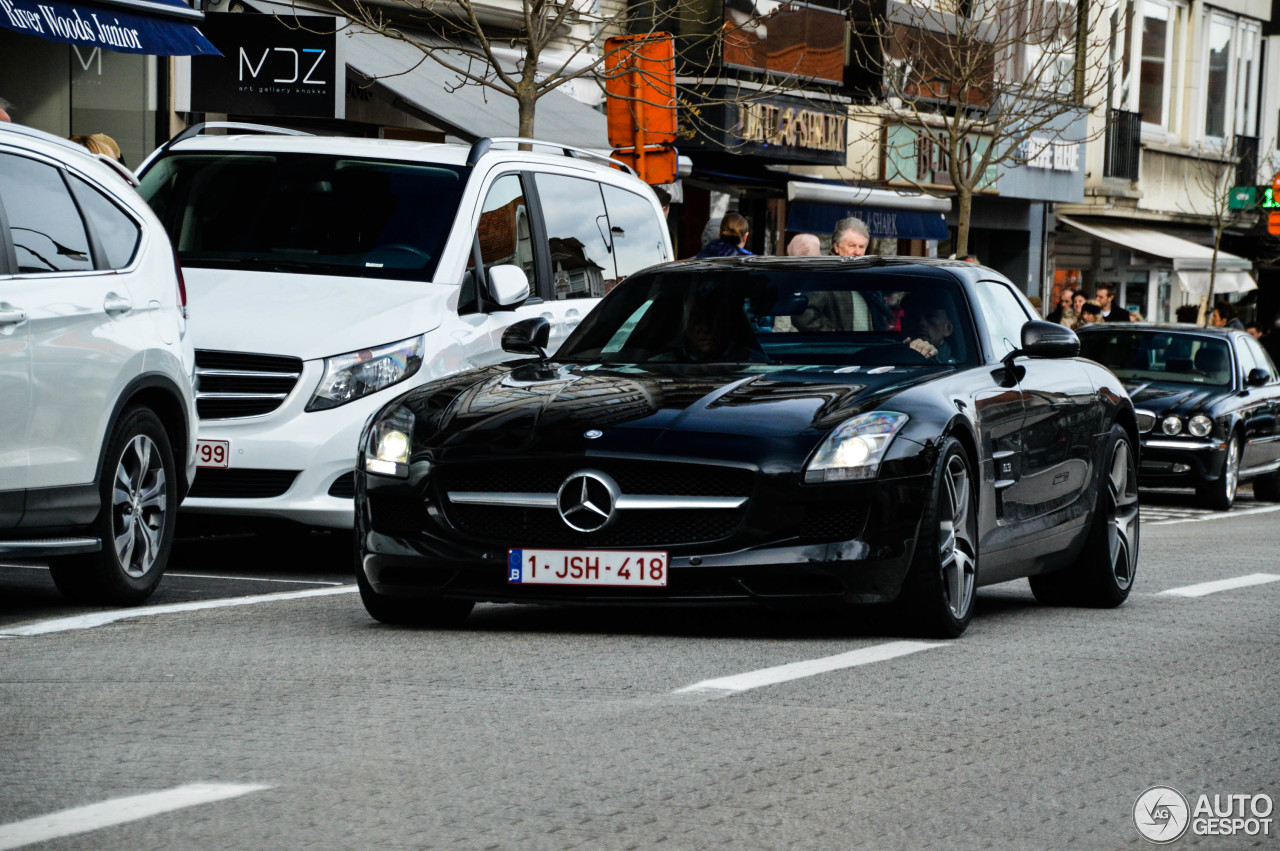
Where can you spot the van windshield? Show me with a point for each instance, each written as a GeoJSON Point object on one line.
{"type": "Point", "coordinates": [308, 213]}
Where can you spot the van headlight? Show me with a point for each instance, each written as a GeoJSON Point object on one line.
{"type": "Point", "coordinates": [855, 449]}
{"type": "Point", "coordinates": [357, 374]}
{"type": "Point", "coordinates": [390, 444]}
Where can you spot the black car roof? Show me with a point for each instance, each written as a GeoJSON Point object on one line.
{"type": "Point", "coordinates": [1167, 327]}
{"type": "Point", "coordinates": [829, 263]}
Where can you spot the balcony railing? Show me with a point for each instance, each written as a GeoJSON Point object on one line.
{"type": "Point", "coordinates": [1246, 157]}
{"type": "Point", "coordinates": [1124, 144]}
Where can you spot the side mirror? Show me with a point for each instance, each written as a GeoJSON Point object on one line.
{"type": "Point", "coordinates": [1257, 377]}
{"type": "Point", "coordinates": [508, 285]}
{"type": "Point", "coordinates": [528, 336]}
{"type": "Point", "coordinates": [1049, 340]}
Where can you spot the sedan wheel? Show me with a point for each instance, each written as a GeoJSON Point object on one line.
{"type": "Point", "coordinates": [1221, 495]}
{"type": "Point", "coordinates": [938, 594]}
{"type": "Point", "coordinates": [1103, 573]}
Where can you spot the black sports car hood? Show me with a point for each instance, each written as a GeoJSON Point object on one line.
{"type": "Point", "coordinates": [1167, 397]}
{"type": "Point", "coordinates": [684, 409]}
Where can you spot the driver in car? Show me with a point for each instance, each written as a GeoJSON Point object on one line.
{"type": "Point", "coordinates": [933, 328]}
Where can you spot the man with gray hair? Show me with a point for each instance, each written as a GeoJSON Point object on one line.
{"type": "Point", "coordinates": [5, 106]}
{"type": "Point", "coordinates": [850, 237]}
{"type": "Point", "coordinates": [804, 245]}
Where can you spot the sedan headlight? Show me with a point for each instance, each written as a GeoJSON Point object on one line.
{"type": "Point", "coordinates": [1171, 425]}
{"type": "Point", "coordinates": [855, 449]}
{"type": "Point", "coordinates": [351, 376]}
{"type": "Point", "coordinates": [1200, 425]}
{"type": "Point", "coordinates": [390, 444]}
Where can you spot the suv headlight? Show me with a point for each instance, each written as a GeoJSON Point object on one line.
{"type": "Point", "coordinates": [855, 449]}
{"type": "Point", "coordinates": [351, 376]}
{"type": "Point", "coordinates": [390, 444]}
{"type": "Point", "coordinates": [1200, 425]}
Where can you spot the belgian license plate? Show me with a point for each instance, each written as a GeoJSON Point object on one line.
{"type": "Point", "coordinates": [587, 567]}
{"type": "Point", "coordinates": [213, 453]}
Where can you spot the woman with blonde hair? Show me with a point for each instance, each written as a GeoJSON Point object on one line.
{"type": "Point", "coordinates": [733, 236]}
{"type": "Point", "coordinates": [100, 144]}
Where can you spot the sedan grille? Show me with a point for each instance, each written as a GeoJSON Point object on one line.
{"type": "Point", "coordinates": [538, 525]}
{"type": "Point", "coordinates": [235, 384]}
{"type": "Point", "coordinates": [1146, 421]}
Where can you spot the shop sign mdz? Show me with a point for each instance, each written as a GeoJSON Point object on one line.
{"type": "Point", "coordinates": [1163, 815]}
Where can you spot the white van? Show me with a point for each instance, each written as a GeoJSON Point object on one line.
{"type": "Point", "coordinates": [326, 275]}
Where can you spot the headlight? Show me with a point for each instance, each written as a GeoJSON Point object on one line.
{"type": "Point", "coordinates": [855, 449]}
{"type": "Point", "coordinates": [390, 444]}
{"type": "Point", "coordinates": [1200, 425]}
{"type": "Point", "coordinates": [1171, 425]}
{"type": "Point", "coordinates": [349, 377]}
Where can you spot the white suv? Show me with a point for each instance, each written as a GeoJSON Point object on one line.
{"type": "Point", "coordinates": [97, 410]}
{"type": "Point", "coordinates": [329, 274]}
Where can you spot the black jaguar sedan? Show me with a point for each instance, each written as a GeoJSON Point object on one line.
{"type": "Point", "coordinates": [831, 431]}
{"type": "Point", "coordinates": [1208, 405]}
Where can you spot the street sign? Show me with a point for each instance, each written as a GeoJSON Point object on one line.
{"type": "Point", "coordinates": [1273, 223]}
{"type": "Point", "coordinates": [1242, 198]}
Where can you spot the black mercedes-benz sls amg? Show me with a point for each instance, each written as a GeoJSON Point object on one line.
{"type": "Point", "coordinates": [838, 431]}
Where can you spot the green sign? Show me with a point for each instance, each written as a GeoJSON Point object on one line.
{"type": "Point", "coordinates": [1253, 198]}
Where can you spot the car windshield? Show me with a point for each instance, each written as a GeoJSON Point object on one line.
{"type": "Point", "coordinates": [791, 316]}
{"type": "Point", "coordinates": [1160, 356]}
{"type": "Point", "coordinates": [308, 213]}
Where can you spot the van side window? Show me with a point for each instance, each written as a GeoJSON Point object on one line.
{"type": "Point", "coordinates": [48, 233]}
{"type": "Point", "coordinates": [577, 235]}
{"type": "Point", "coordinates": [635, 230]}
{"type": "Point", "coordinates": [505, 238]}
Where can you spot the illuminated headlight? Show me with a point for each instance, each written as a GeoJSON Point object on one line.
{"type": "Point", "coordinates": [1200, 425]}
{"type": "Point", "coordinates": [855, 449]}
{"type": "Point", "coordinates": [351, 376]}
{"type": "Point", "coordinates": [1171, 425]}
{"type": "Point", "coordinates": [390, 444]}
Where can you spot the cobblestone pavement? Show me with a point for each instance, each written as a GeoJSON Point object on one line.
{"type": "Point", "coordinates": [551, 728]}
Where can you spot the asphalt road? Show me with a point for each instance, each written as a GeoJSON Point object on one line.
{"type": "Point", "coordinates": [295, 721]}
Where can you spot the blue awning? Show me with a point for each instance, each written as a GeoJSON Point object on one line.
{"type": "Point", "coordinates": [809, 217]}
{"type": "Point", "coordinates": [149, 27]}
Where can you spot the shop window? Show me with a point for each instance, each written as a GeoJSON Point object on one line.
{"type": "Point", "coordinates": [47, 231]}
{"type": "Point", "coordinates": [117, 233]}
{"type": "Point", "coordinates": [582, 264]}
{"type": "Point", "coordinates": [635, 230]}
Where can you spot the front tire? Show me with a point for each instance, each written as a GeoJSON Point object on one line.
{"type": "Point", "coordinates": [410, 611]}
{"type": "Point", "coordinates": [1102, 575]}
{"type": "Point", "coordinates": [1221, 495]}
{"type": "Point", "coordinates": [939, 592]}
{"type": "Point", "coordinates": [139, 497]}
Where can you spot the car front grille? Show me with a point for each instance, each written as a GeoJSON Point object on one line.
{"type": "Point", "coordinates": [1146, 421]}
{"type": "Point", "coordinates": [234, 384]}
{"type": "Point", "coordinates": [530, 526]}
{"type": "Point", "coordinates": [244, 483]}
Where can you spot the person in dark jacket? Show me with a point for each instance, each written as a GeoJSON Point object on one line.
{"type": "Point", "coordinates": [733, 236]}
{"type": "Point", "coordinates": [1111, 312]}
{"type": "Point", "coordinates": [1224, 316]}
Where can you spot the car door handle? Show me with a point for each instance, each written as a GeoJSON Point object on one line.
{"type": "Point", "coordinates": [10, 315]}
{"type": "Point", "coordinates": [115, 304]}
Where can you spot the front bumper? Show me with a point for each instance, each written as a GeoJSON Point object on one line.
{"type": "Point", "coordinates": [1180, 462]}
{"type": "Point", "coordinates": [777, 556]}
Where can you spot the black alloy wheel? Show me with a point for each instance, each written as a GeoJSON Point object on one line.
{"type": "Point", "coordinates": [1103, 574]}
{"type": "Point", "coordinates": [1221, 494]}
{"type": "Point", "coordinates": [940, 589]}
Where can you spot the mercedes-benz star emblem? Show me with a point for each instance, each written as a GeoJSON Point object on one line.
{"type": "Point", "coordinates": [593, 434]}
{"type": "Point", "coordinates": [586, 500]}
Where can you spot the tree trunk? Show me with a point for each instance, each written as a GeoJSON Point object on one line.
{"type": "Point", "coordinates": [1207, 309]}
{"type": "Point", "coordinates": [964, 208]}
{"type": "Point", "coordinates": [527, 105]}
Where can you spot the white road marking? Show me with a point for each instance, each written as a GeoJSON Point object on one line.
{"type": "Point", "coordinates": [1222, 585]}
{"type": "Point", "coordinates": [119, 811]}
{"type": "Point", "coordinates": [252, 579]}
{"type": "Point", "coordinates": [810, 667]}
{"type": "Point", "coordinates": [102, 618]}
{"type": "Point", "coordinates": [1217, 515]}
